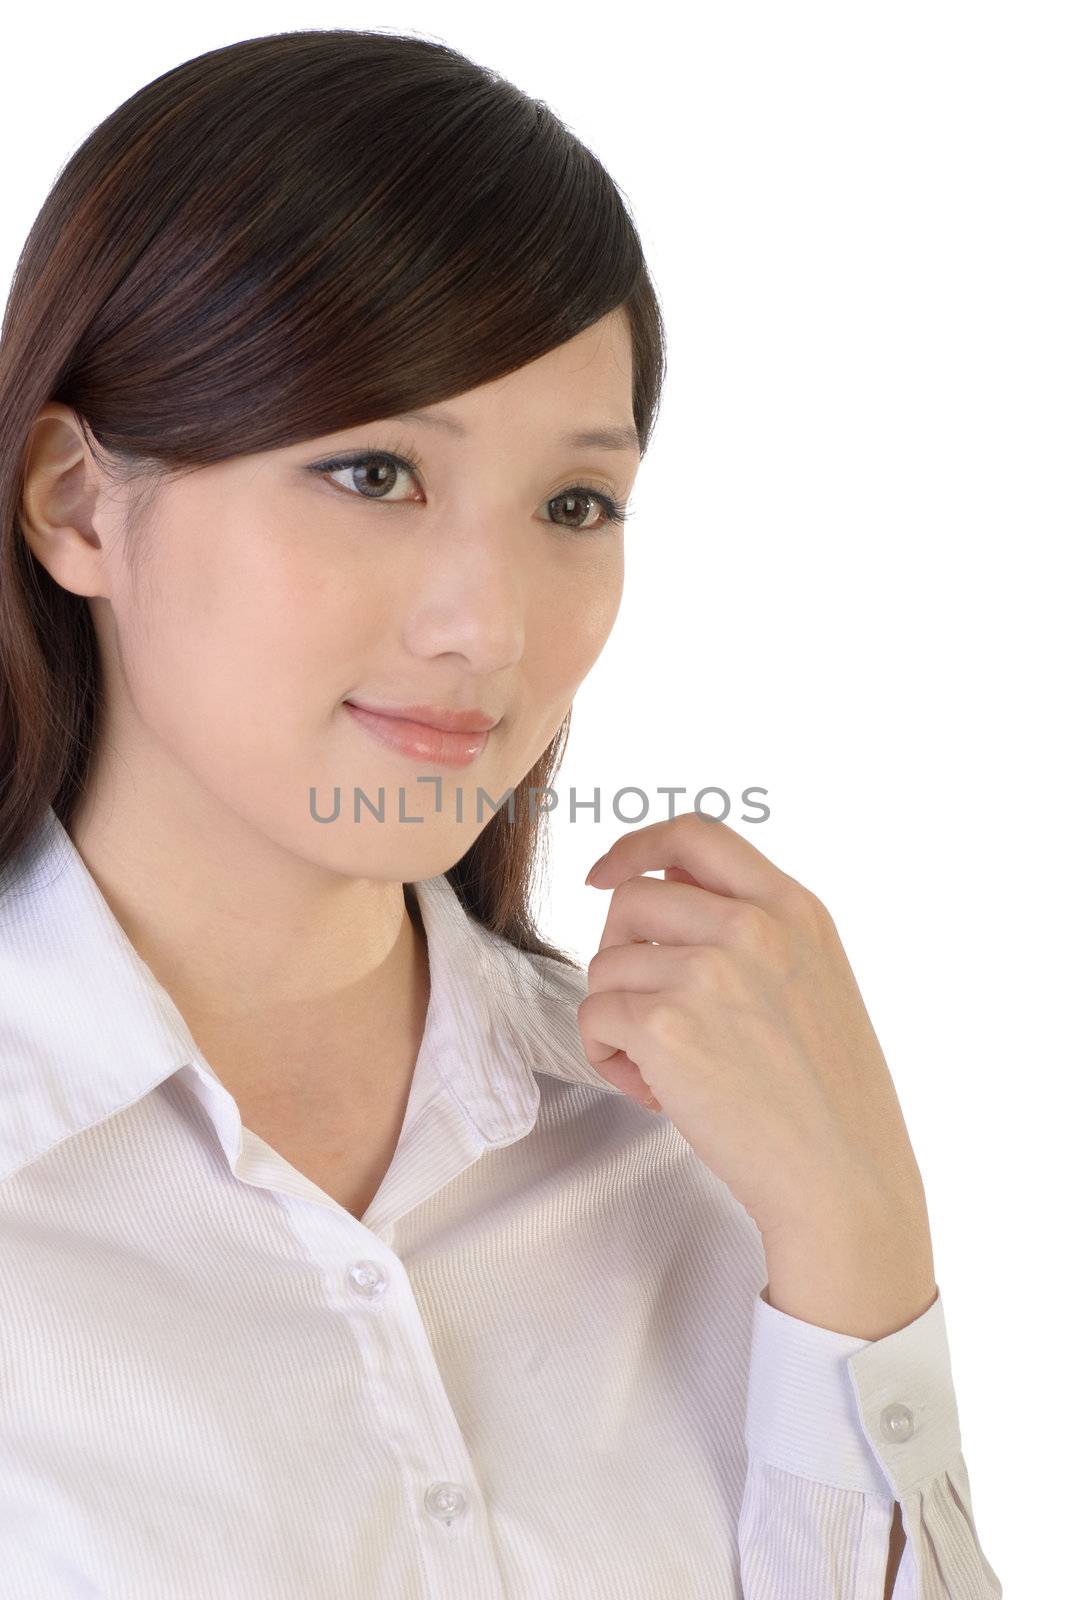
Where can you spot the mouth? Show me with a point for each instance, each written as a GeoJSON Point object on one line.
{"type": "Point", "coordinates": [435, 717]}
{"type": "Point", "coordinates": [443, 746]}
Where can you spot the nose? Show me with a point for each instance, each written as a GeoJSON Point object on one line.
{"type": "Point", "coordinates": [472, 605]}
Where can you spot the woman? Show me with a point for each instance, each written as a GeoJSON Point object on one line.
{"type": "Point", "coordinates": [357, 1241]}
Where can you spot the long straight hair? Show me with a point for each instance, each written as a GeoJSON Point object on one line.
{"type": "Point", "coordinates": [279, 239]}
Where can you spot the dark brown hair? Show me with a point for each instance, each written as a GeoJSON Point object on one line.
{"type": "Point", "coordinates": [275, 240]}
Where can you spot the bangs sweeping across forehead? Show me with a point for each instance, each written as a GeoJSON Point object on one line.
{"type": "Point", "coordinates": [274, 241]}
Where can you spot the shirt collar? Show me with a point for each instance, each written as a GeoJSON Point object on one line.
{"type": "Point", "coordinates": [86, 1028]}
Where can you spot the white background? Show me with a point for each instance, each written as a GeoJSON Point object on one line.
{"type": "Point", "coordinates": [846, 572]}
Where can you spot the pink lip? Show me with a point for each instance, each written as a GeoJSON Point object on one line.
{"type": "Point", "coordinates": [439, 746]}
{"type": "Point", "coordinates": [436, 717]}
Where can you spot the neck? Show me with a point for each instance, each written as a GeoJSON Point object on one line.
{"type": "Point", "coordinates": [289, 976]}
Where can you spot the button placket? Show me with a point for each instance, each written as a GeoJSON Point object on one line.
{"type": "Point", "coordinates": [368, 1278]}
{"type": "Point", "coordinates": [445, 1501]}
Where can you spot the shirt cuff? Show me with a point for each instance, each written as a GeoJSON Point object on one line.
{"type": "Point", "coordinates": [877, 1415]}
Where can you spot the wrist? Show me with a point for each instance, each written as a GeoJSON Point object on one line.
{"type": "Point", "coordinates": [859, 1271]}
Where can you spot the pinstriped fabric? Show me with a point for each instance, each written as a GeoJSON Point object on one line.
{"type": "Point", "coordinates": [809, 1391]}
{"type": "Point", "coordinates": [539, 1367]}
{"type": "Point", "coordinates": [797, 1538]}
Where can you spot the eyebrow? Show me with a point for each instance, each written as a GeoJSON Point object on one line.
{"type": "Point", "coordinates": [607, 436]}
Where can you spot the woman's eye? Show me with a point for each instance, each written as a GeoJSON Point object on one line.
{"type": "Point", "coordinates": [374, 474]}
{"type": "Point", "coordinates": [580, 502]}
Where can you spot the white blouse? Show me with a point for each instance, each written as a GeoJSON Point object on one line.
{"type": "Point", "coordinates": [540, 1367]}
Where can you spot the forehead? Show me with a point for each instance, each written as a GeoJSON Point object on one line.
{"type": "Point", "coordinates": [581, 388]}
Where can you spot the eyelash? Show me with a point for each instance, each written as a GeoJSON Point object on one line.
{"type": "Point", "coordinates": [614, 511]}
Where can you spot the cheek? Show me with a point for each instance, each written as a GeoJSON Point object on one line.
{"type": "Point", "coordinates": [569, 636]}
{"type": "Point", "coordinates": [564, 638]}
{"type": "Point", "coordinates": [231, 647]}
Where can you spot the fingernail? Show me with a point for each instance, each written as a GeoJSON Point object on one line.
{"type": "Point", "coordinates": [594, 868]}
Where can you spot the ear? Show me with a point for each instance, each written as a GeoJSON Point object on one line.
{"type": "Point", "coordinates": [63, 502]}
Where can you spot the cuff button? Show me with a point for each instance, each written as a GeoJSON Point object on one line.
{"type": "Point", "coordinates": [897, 1422]}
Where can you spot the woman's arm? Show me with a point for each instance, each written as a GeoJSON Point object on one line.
{"type": "Point", "coordinates": [723, 997]}
{"type": "Point", "coordinates": [856, 1479]}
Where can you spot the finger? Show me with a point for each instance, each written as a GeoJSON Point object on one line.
{"type": "Point", "coordinates": [669, 913]}
{"type": "Point", "coordinates": [679, 875]}
{"type": "Point", "coordinates": [640, 968]}
{"type": "Point", "coordinates": [604, 1021]}
{"type": "Point", "coordinates": [710, 851]}
{"type": "Point", "coordinates": [626, 1076]}
{"type": "Point", "coordinates": [600, 1019]}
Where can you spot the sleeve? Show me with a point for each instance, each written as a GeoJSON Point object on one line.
{"type": "Point", "coordinates": [837, 1429]}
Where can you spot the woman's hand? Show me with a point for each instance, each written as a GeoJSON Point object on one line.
{"type": "Point", "coordinates": [722, 996]}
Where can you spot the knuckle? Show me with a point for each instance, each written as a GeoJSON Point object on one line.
{"type": "Point", "coordinates": [634, 887]}
{"type": "Point", "coordinates": [808, 907]}
{"type": "Point", "coordinates": [701, 965]}
{"type": "Point", "coordinates": [748, 926]}
{"type": "Point", "coordinates": [662, 1023]}
{"type": "Point", "coordinates": [585, 1005]}
{"type": "Point", "coordinates": [601, 968]}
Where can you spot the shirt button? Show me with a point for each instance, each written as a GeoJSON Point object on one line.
{"type": "Point", "coordinates": [368, 1279]}
{"type": "Point", "coordinates": [897, 1422]}
{"type": "Point", "coordinates": [445, 1501]}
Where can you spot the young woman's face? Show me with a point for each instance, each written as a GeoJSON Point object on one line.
{"type": "Point", "coordinates": [267, 593]}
